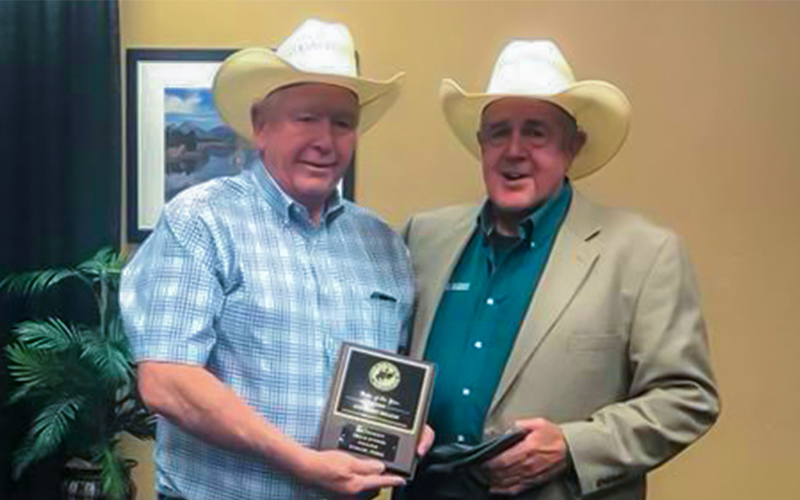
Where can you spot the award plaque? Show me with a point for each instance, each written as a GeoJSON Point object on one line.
{"type": "Point", "coordinates": [377, 406]}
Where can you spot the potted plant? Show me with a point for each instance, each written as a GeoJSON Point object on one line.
{"type": "Point", "coordinates": [80, 381]}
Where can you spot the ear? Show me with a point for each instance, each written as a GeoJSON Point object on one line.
{"type": "Point", "coordinates": [479, 138]}
{"type": "Point", "coordinates": [255, 119]}
{"type": "Point", "coordinates": [575, 145]}
{"type": "Point", "coordinates": [257, 122]}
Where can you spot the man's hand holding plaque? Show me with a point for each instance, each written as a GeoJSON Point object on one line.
{"type": "Point", "coordinates": [377, 407]}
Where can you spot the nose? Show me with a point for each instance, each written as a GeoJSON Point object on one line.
{"type": "Point", "coordinates": [323, 142]}
{"type": "Point", "coordinates": [514, 149]}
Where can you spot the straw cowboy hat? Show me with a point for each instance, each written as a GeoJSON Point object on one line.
{"type": "Point", "coordinates": [537, 69]}
{"type": "Point", "coordinates": [317, 52]}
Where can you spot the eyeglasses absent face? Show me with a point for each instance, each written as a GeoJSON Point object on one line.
{"type": "Point", "coordinates": [527, 145]}
{"type": "Point", "coordinates": [535, 131]}
{"type": "Point", "coordinates": [307, 135]}
{"type": "Point", "coordinates": [532, 133]}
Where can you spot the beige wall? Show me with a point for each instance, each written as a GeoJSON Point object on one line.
{"type": "Point", "coordinates": [714, 152]}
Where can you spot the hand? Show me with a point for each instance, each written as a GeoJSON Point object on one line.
{"type": "Point", "coordinates": [426, 441]}
{"type": "Point", "coordinates": [538, 458]}
{"type": "Point", "coordinates": [343, 473]}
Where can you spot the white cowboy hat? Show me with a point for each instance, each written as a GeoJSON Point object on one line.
{"type": "Point", "coordinates": [317, 52]}
{"type": "Point", "coordinates": [537, 69]}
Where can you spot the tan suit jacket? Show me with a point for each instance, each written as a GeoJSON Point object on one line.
{"type": "Point", "coordinates": [613, 346]}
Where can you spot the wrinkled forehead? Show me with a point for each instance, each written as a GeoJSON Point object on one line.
{"type": "Point", "coordinates": [522, 109]}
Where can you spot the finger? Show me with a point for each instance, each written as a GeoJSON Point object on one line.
{"type": "Point", "coordinates": [530, 424]}
{"type": "Point", "coordinates": [505, 482]}
{"type": "Point", "coordinates": [517, 487]}
{"type": "Point", "coordinates": [549, 474]}
{"type": "Point", "coordinates": [512, 486]}
{"type": "Point", "coordinates": [426, 441]}
{"type": "Point", "coordinates": [498, 476]}
{"type": "Point", "coordinates": [374, 482]}
{"type": "Point", "coordinates": [366, 466]}
{"type": "Point", "coordinates": [510, 457]}
{"type": "Point", "coordinates": [507, 491]}
{"type": "Point", "coordinates": [526, 481]}
{"type": "Point", "coordinates": [537, 463]}
{"type": "Point", "coordinates": [530, 466]}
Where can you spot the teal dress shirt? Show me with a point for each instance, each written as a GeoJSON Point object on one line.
{"type": "Point", "coordinates": [479, 315]}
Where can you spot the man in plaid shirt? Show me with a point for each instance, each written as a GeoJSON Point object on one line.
{"type": "Point", "coordinates": [238, 302]}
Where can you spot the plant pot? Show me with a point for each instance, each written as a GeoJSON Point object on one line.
{"type": "Point", "coordinates": [82, 481]}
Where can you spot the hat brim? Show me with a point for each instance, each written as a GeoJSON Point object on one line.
{"type": "Point", "coordinates": [600, 109]}
{"type": "Point", "coordinates": [248, 75]}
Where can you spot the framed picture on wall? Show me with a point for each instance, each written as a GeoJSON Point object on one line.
{"type": "Point", "coordinates": [175, 137]}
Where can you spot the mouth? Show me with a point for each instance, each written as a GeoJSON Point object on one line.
{"type": "Point", "coordinates": [320, 166]}
{"type": "Point", "coordinates": [512, 176]}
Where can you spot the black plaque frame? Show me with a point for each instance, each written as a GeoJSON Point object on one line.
{"type": "Point", "coordinates": [383, 430]}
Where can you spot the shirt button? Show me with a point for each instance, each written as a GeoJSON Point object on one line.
{"type": "Point", "coordinates": [478, 344]}
{"type": "Point", "coordinates": [490, 301]}
{"type": "Point", "coordinates": [465, 391]}
{"type": "Point", "coordinates": [533, 244]}
{"type": "Point", "coordinates": [460, 438]}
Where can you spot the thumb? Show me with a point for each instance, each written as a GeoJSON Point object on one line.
{"type": "Point", "coordinates": [530, 424]}
{"type": "Point", "coordinates": [426, 442]}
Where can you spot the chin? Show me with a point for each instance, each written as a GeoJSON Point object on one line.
{"type": "Point", "coordinates": [514, 204]}
{"type": "Point", "coordinates": [320, 191]}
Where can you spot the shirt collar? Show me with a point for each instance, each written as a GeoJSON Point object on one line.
{"type": "Point", "coordinates": [284, 204]}
{"type": "Point", "coordinates": [553, 207]}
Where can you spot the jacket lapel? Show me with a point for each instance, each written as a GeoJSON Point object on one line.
{"type": "Point", "coordinates": [574, 252]}
{"type": "Point", "coordinates": [446, 249]}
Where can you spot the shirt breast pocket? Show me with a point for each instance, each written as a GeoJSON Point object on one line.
{"type": "Point", "coordinates": [385, 312]}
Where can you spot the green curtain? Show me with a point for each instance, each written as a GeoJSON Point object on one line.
{"type": "Point", "coordinates": [60, 154]}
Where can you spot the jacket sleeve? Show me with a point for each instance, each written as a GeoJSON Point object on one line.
{"type": "Point", "coordinates": [672, 399]}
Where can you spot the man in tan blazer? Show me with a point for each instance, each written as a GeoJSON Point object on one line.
{"type": "Point", "coordinates": [578, 323]}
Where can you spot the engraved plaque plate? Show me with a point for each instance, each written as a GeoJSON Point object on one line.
{"type": "Point", "coordinates": [377, 406]}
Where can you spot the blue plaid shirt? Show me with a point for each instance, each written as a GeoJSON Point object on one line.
{"type": "Point", "coordinates": [237, 279]}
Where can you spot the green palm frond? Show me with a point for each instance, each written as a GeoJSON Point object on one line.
{"type": "Point", "coordinates": [20, 393]}
{"type": "Point", "coordinates": [35, 360]}
{"type": "Point", "coordinates": [24, 455]}
{"type": "Point", "coordinates": [49, 430]}
{"type": "Point", "coordinates": [51, 334]}
{"type": "Point", "coordinates": [113, 472]}
{"type": "Point", "coordinates": [35, 370]}
{"type": "Point", "coordinates": [105, 263]}
{"type": "Point", "coordinates": [116, 335]}
{"type": "Point", "coordinates": [80, 379]}
{"type": "Point", "coordinates": [110, 362]}
{"type": "Point", "coordinates": [37, 282]}
{"type": "Point", "coordinates": [52, 423]}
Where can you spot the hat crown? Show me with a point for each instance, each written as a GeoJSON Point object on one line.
{"type": "Point", "coordinates": [320, 47]}
{"type": "Point", "coordinates": [530, 67]}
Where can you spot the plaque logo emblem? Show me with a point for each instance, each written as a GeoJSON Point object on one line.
{"type": "Point", "coordinates": [384, 376]}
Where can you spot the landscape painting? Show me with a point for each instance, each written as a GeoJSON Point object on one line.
{"type": "Point", "coordinates": [198, 145]}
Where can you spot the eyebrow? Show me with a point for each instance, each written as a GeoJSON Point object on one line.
{"type": "Point", "coordinates": [506, 123]}
{"type": "Point", "coordinates": [320, 108]}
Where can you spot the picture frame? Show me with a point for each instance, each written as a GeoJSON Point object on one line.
{"type": "Point", "coordinates": [175, 138]}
